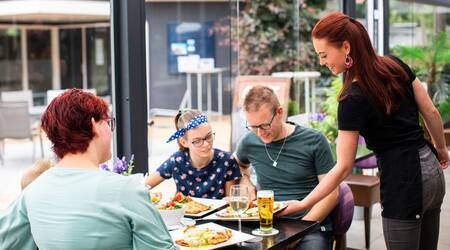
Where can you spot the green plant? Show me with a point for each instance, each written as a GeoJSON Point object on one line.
{"type": "Point", "coordinates": [327, 121]}
{"type": "Point", "coordinates": [293, 108]}
{"type": "Point", "coordinates": [444, 108]}
{"type": "Point", "coordinates": [428, 62]}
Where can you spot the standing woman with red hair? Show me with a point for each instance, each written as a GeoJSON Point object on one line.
{"type": "Point", "coordinates": [381, 100]}
{"type": "Point", "coordinates": [75, 204]}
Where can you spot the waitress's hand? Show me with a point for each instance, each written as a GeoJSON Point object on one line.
{"type": "Point", "coordinates": [443, 157]}
{"type": "Point", "coordinates": [293, 207]}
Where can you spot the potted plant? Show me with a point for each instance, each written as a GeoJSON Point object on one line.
{"type": "Point", "coordinates": [429, 63]}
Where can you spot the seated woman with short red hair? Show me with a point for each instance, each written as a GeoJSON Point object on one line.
{"type": "Point", "coordinates": [76, 205]}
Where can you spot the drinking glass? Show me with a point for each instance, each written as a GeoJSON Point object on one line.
{"type": "Point", "coordinates": [265, 208]}
{"type": "Point", "coordinates": [239, 201]}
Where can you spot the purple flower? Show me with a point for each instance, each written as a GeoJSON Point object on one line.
{"type": "Point", "coordinates": [104, 166]}
{"type": "Point", "coordinates": [120, 166]}
{"type": "Point", "coordinates": [317, 117]}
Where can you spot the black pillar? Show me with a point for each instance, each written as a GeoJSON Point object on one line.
{"type": "Point", "coordinates": [349, 7]}
{"type": "Point", "coordinates": [386, 15]}
{"type": "Point", "coordinates": [129, 80]}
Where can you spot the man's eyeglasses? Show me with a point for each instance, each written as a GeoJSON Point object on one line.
{"type": "Point", "coordinates": [111, 122]}
{"type": "Point", "coordinates": [200, 141]}
{"type": "Point", "coordinates": [264, 126]}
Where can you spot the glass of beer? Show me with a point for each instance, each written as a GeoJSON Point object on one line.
{"type": "Point", "coordinates": [265, 208]}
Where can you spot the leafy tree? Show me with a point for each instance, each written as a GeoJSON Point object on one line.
{"type": "Point", "coordinates": [272, 36]}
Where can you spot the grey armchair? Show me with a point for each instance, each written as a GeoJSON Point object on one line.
{"type": "Point", "coordinates": [15, 124]}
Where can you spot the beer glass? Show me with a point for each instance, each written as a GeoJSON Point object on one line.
{"type": "Point", "coordinates": [265, 208]}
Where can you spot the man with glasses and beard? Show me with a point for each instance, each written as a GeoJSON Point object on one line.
{"type": "Point", "coordinates": [288, 159]}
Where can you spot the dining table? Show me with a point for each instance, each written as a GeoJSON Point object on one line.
{"type": "Point", "coordinates": [290, 230]}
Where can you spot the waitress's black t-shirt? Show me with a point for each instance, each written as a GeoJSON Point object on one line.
{"type": "Point", "coordinates": [396, 140]}
{"type": "Point", "coordinates": [382, 132]}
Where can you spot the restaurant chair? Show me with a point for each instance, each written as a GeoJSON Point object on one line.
{"type": "Point", "coordinates": [18, 96]}
{"type": "Point", "coordinates": [342, 216]}
{"type": "Point", "coordinates": [15, 124]}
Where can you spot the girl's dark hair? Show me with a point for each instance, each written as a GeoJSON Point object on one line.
{"type": "Point", "coordinates": [182, 119]}
{"type": "Point", "coordinates": [380, 77]}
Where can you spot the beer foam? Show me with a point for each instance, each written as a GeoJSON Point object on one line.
{"type": "Point", "coordinates": [265, 194]}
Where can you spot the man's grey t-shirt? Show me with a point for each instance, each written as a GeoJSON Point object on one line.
{"type": "Point", "coordinates": [305, 155]}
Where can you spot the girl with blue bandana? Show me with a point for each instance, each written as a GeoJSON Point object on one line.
{"type": "Point", "coordinates": [198, 169]}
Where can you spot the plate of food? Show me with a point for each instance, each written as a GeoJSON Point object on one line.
{"type": "Point", "coordinates": [251, 214]}
{"type": "Point", "coordinates": [208, 236]}
{"type": "Point", "coordinates": [198, 207]}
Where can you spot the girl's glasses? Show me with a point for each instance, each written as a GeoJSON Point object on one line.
{"type": "Point", "coordinates": [200, 141]}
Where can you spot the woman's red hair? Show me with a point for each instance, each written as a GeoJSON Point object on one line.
{"type": "Point", "coordinates": [67, 120]}
{"type": "Point", "coordinates": [380, 77]}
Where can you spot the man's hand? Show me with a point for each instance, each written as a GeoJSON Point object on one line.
{"type": "Point", "coordinates": [251, 192]}
{"type": "Point", "coordinates": [293, 207]}
{"type": "Point", "coordinates": [245, 181]}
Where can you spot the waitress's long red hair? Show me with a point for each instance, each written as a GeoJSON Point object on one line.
{"type": "Point", "coordinates": [380, 77]}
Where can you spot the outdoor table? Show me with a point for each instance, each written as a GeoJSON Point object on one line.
{"type": "Point", "coordinates": [186, 102]}
{"type": "Point", "coordinates": [290, 231]}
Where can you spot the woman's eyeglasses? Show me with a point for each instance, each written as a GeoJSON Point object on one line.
{"type": "Point", "coordinates": [111, 122]}
{"type": "Point", "coordinates": [264, 126]}
{"type": "Point", "coordinates": [199, 142]}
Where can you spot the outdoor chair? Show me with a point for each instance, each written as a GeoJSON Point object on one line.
{"type": "Point", "coordinates": [18, 96]}
{"type": "Point", "coordinates": [342, 216]}
{"type": "Point", "coordinates": [15, 124]}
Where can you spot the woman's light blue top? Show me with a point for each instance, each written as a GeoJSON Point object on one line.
{"type": "Point", "coordinates": [80, 208]}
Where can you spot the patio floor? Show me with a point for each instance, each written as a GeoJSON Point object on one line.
{"type": "Point", "coordinates": [18, 158]}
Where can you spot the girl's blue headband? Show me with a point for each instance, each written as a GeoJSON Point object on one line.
{"type": "Point", "coordinates": [200, 119]}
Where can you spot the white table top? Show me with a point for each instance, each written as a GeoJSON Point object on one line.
{"type": "Point", "coordinates": [204, 71]}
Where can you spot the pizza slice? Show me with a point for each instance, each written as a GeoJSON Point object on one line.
{"type": "Point", "coordinates": [251, 212]}
{"type": "Point", "coordinates": [195, 207]}
{"type": "Point", "coordinates": [194, 236]}
{"type": "Point", "coordinates": [191, 206]}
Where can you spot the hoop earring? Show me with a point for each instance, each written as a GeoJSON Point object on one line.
{"type": "Point", "coordinates": [348, 61]}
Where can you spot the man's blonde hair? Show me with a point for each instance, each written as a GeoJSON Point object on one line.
{"type": "Point", "coordinates": [258, 96]}
{"type": "Point", "coordinates": [35, 171]}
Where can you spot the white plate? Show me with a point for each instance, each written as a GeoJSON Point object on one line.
{"type": "Point", "coordinates": [214, 216]}
{"type": "Point", "coordinates": [236, 237]}
{"type": "Point", "coordinates": [183, 223]}
{"type": "Point", "coordinates": [215, 204]}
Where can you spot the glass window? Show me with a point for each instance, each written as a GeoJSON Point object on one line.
{"type": "Point", "coordinates": [419, 33]}
{"type": "Point", "coordinates": [10, 59]}
{"type": "Point", "coordinates": [182, 45]}
{"type": "Point", "coordinates": [39, 63]}
{"type": "Point", "coordinates": [70, 58]}
{"type": "Point", "coordinates": [98, 60]}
